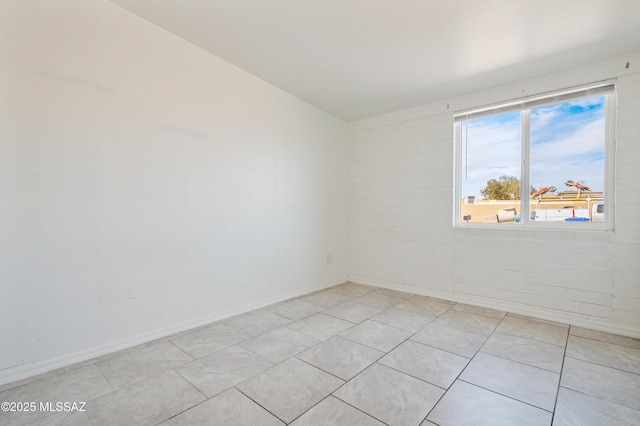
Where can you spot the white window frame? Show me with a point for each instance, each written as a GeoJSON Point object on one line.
{"type": "Point", "coordinates": [524, 105]}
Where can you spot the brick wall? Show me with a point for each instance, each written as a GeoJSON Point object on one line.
{"type": "Point", "coordinates": [401, 219]}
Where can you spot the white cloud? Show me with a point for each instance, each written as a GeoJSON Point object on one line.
{"type": "Point", "coordinates": [578, 157]}
{"type": "Point", "coordinates": [493, 150]}
{"type": "Point", "coordinates": [543, 117]}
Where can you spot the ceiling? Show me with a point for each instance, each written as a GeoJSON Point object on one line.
{"type": "Point", "coordinates": [359, 58]}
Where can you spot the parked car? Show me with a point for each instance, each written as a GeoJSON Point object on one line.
{"type": "Point", "coordinates": [597, 212]}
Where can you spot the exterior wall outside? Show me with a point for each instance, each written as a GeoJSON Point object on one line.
{"type": "Point", "coordinates": [401, 232]}
{"type": "Point", "coordinates": [549, 209]}
{"type": "Point", "coordinates": [149, 187]}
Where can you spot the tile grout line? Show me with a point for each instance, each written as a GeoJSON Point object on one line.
{"type": "Point", "coordinates": [353, 299]}
{"type": "Point", "coordinates": [601, 365]}
{"type": "Point", "coordinates": [206, 398]}
{"type": "Point", "coordinates": [257, 403]}
{"type": "Point", "coordinates": [385, 353]}
{"type": "Point", "coordinates": [564, 357]}
{"type": "Point", "coordinates": [299, 359]}
{"type": "Point", "coordinates": [465, 367]}
{"type": "Point", "coordinates": [507, 396]}
{"type": "Point", "coordinates": [364, 412]}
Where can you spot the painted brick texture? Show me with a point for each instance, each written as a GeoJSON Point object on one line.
{"type": "Point", "coordinates": [402, 233]}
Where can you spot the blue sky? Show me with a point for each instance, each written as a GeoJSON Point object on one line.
{"type": "Point", "coordinates": [567, 143]}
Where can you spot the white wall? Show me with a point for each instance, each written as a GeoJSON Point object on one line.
{"type": "Point", "coordinates": [147, 186]}
{"type": "Point", "coordinates": [401, 214]}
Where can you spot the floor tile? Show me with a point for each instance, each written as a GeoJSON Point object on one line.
{"type": "Point", "coordinates": [575, 408]}
{"type": "Point", "coordinates": [332, 411]}
{"type": "Point", "coordinates": [602, 382]}
{"type": "Point", "coordinates": [425, 305]}
{"type": "Point", "coordinates": [295, 309]}
{"type": "Point", "coordinates": [175, 335]}
{"type": "Point", "coordinates": [230, 408]}
{"type": "Point", "coordinates": [353, 289]}
{"type": "Point", "coordinates": [426, 363]}
{"type": "Point", "coordinates": [208, 340]}
{"type": "Point", "coordinates": [224, 369]}
{"type": "Point", "coordinates": [321, 326]}
{"type": "Point", "coordinates": [327, 298]}
{"type": "Point", "coordinates": [450, 339]}
{"type": "Point", "coordinates": [38, 377]}
{"type": "Point", "coordinates": [107, 356]}
{"type": "Point", "coordinates": [527, 351]}
{"type": "Point", "coordinates": [393, 293]}
{"type": "Point", "coordinates": [558, 324]}
{"type": "Point", "coordinates": [143, 363]}
{"type": "Point", "coordinates": [378, 300]}
{"type": "Point", "coordinates": [280, 344]}
{"type": "Point", "coordinates": [64, 419]}
{"type": "Point", "coordinates": [602, 336]}
{"type": "Point", "coordinates": [477, 310]}
{"type": "Point", "coordinates": [289, 389]}
{"type": "Point", "coordinates": [352, 311]}
{"type": "Point", "coordinates": [148, 402]}
{"type": "Point", "coordinates": [534, 330]}
{"type": "Point", "coordinates": [466, 404]}
{"type": "Point", "coordinates": [341, 357]}
{"type": "Point", "coordinates": [375, 335]}
{"type": "Point", "coordinates": [81, 385]}
{"type": "Point", "coordinates": [468, 322]}
{"type": "Point", "coordinates": [401, 318]}
{"type": "Point", "coordinates": [390, 396]}
{"type": "Point", "coordinates": [513, 379]}
{"type": "Point", "coordinates": [257, 322]}
{"type": "Point", "coordinates": [610, 355]}
{"type": "Point", "coordinates": [399, 352]}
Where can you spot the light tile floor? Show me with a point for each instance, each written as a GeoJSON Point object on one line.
{"type": "Point", "coordinates": [352, 355]}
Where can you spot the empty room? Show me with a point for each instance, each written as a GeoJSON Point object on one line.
{"type": "Point", "coordinates": [338, 212]}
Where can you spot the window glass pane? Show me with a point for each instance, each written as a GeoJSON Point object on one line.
{"type": "Point", "coordinates": [567, 166]}
{"type": "Point", "coordinates": [490, 168]}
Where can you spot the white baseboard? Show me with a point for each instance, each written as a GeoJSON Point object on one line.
{"type": "Point", "coordinates": [21, 372]}
{"type": "Point", "coordinates": [594, 323]}
{"type": "Point", "coordinates": [24, 371]}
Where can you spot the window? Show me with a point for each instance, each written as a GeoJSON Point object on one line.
{"type": "Point", "coordinates": [537, 160]}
